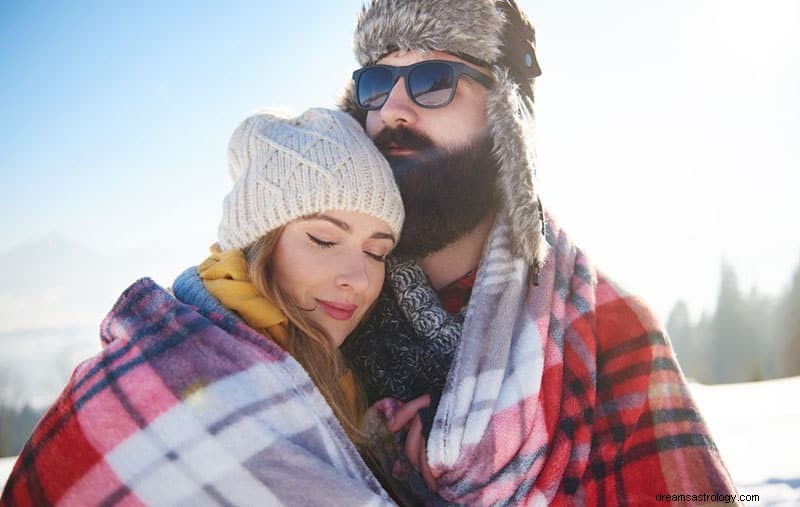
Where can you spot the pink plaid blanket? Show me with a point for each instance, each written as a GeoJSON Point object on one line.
{"type": "Point", "coordinates": [193, 408]}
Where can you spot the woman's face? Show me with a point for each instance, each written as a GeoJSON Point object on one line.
{"type": "Point", "coordinates": [332, 266]}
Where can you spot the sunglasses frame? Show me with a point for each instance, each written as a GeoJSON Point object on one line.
{"type": "Point", "coordinates": [458, 69]}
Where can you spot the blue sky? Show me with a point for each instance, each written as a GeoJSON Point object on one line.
{"type": "Point", "coordinates": [667, 132]}
{"type": "Point", "coordinates": [108, 104]}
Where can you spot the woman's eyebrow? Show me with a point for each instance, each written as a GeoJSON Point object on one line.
{"type": "Point", "coordinates": [335, 221]}
{"type": "Point", "coordinates": [383, 235]}
{"type": "Point", "coordinates": [346, 227]}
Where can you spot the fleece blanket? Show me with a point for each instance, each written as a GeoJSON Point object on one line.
{"type": "Point", "coordinates": [185, 406]}
{"type": "Point", "coordinates": [565, 393]}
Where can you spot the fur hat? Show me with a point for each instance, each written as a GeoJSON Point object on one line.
{"type": "Point", "coordinates": [288, 168]}
{"type": "Point", "coordinates": [496, 35]}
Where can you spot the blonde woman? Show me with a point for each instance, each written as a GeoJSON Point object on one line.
{"type": "Point", "coordinates": [232, 391]}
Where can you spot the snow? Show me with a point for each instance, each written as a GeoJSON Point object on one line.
{"type": "Point", "coordinates": [754, 426]}
{"type": "Point", "coordinates": [6, 464]}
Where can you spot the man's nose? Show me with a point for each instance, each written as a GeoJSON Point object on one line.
{"type": "Point", "coordinates": [399, 108]}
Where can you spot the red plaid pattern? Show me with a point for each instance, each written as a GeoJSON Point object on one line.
{"type": "Point", "coordinates": [586, 404]}
{"type": "Point", "coordinates": [455, 296]}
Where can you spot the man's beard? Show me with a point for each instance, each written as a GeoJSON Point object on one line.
{"type": "Point", "coordinates": [445, 193]}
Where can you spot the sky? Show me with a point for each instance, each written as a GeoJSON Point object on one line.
{"type": "Point", "coordinates": [667, 132]}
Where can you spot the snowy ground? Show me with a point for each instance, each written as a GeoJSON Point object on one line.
{"type": "Point", "coordinates": [5, 469]}
{"type": "Point", "coordinates": [755, 426]}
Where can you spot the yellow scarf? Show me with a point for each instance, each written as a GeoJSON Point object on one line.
{"type": "Point", "coordinates": [226, 277]}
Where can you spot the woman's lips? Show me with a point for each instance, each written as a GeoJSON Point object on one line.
{"type": "Point", "coordinates": [338, 311]}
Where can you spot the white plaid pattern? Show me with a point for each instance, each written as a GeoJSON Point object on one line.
{"type": "Point", "coordinates": [249, 415]}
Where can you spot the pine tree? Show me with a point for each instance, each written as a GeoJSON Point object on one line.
{"type": "Point", "coordinates": [736, 338]}
{"type": "Point", "coordinates": [789, 334]}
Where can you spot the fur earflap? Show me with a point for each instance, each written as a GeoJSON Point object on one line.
{"type": "Point", "coordinates": [347, 103]}
{"type": "Point", "coordinates": [512, 132]}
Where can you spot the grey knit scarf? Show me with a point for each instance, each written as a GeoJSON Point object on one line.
{"type": "Point", "coordinates": [405, 346]}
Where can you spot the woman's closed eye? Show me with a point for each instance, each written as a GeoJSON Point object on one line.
{"type": "Point", "coordinates": [375, 256]}
{"type": "Point", "coordinates": [320, 242]}
{"type": "Point", "coordinates": [378, 257]}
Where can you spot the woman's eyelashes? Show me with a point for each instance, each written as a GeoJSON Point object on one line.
{"type": "Point", "coordinates": [328, 244]}
{"type": "Point", "coordinates": [377, 257]}
{"type": "Point", "coordinates": [319, 242]}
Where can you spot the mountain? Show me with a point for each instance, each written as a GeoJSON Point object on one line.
{"type": "Point", "coordinates": [56, 293]}
{"type": "Point", "coordinates": [54, 282]}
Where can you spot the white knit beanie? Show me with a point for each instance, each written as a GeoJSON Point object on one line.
{"type": "Point", "coordinates": [288, 168]}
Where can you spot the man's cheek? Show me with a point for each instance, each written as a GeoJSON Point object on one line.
{"type": "Point", "coordinates": [372, 126]}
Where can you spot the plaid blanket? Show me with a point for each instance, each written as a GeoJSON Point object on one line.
{"type": "Point", "coordinates": [191, 407]}
{"type": "Point", "coordinates": [564, 393]}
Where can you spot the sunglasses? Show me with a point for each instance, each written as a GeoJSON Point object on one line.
{"type": "Point", "coordinates": [430, 84]}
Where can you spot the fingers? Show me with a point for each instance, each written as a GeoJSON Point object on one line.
{"type": "Point", "coordinates": [386, 407]}
{"type": "Point", "coordinates": [425, 470]}
{"type": "Point", "coordinates": [416, 452]}
{"type": "Point", "coordinates": [406, 413]}
{"type": "Point", "coordinates": [406, 416]}
{"type": "Point", "coordinates": [415, 444]}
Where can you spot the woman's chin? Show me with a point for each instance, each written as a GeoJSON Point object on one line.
{"type": "Point", "coordinates": [336, 331]}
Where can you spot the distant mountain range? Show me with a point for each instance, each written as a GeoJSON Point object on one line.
{"type": "Point", "coordinates": [54, 282]}
{"type": "Point", "coordinates": [35, 364]}
{"type": "Point", "coordinates": [55, 295]}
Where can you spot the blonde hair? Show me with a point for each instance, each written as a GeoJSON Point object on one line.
{"type": "Point", "coordinates": [308, 343]}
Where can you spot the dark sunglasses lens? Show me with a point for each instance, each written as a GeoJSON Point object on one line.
{"type": "Point", "coordinates": [432, 84]}
{"type": "Point", "coordinates": [373, 87]}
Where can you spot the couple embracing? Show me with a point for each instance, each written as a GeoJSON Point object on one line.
{"type": "Point", "coordinates": [389, 315]}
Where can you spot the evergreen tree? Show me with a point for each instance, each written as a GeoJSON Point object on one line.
{"type": "Point", "coordinates": [789, 330]}
{"type": "Point", "coordinates": [735, 342]}
{"type": "Point", "coordinates": [745, 339]}
{"type": "Point", "coordinates": [679, 328]}
{"type": "Point", "coordinates": [702, 335]}
{"type": "Point", "coordinates": [683, 334]}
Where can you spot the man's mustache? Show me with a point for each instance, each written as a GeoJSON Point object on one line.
{"type": "Point", "coordinates": [401, 137]}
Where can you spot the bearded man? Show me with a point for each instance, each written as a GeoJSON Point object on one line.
{"type": "Point", "coordinates": [525, 376]}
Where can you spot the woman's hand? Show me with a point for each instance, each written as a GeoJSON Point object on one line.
{"type": "Point", "coordinates": [406, 417]}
